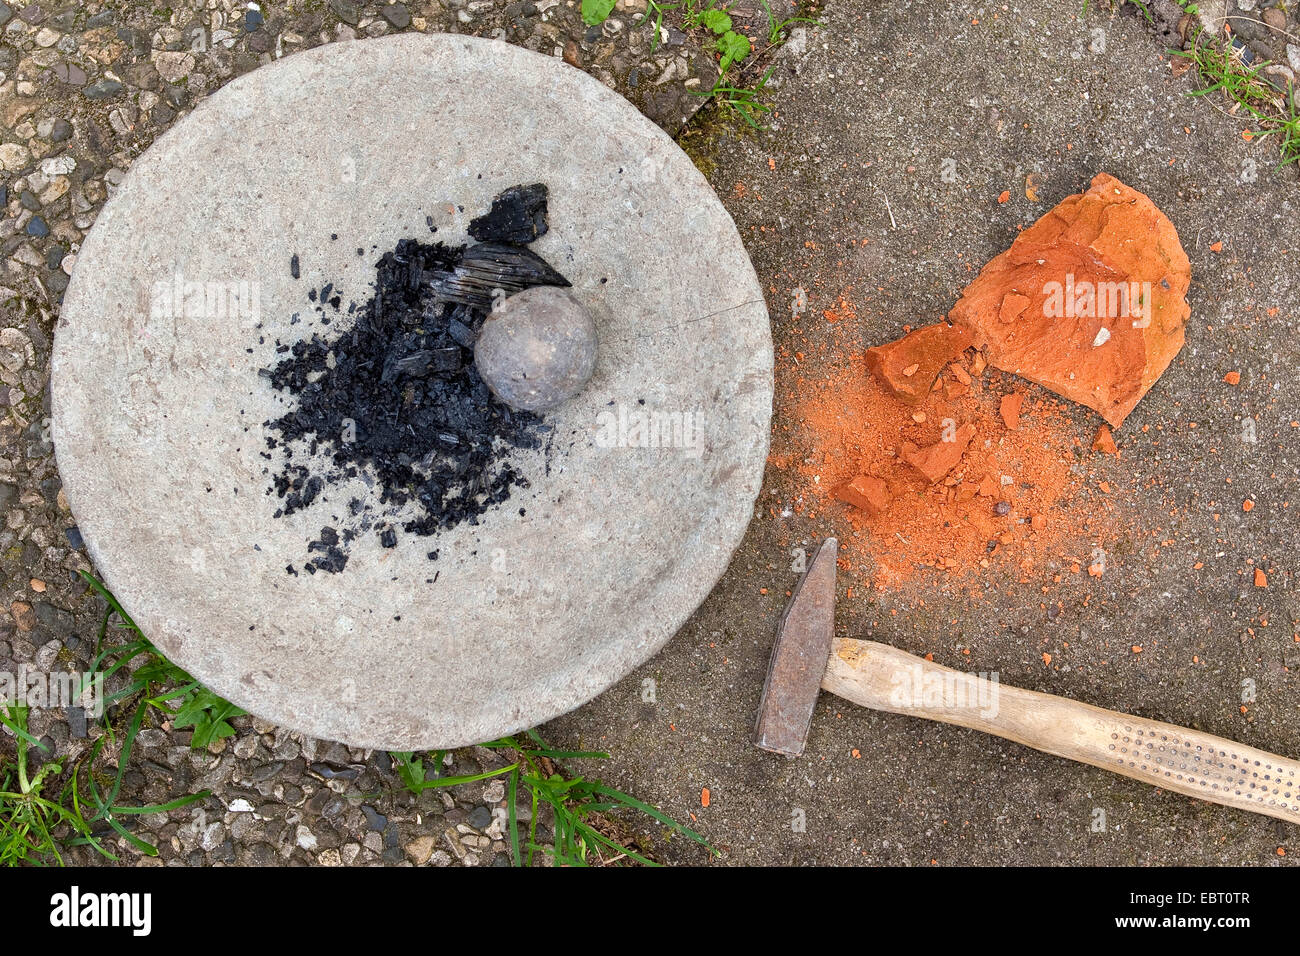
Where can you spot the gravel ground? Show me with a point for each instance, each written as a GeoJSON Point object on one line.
{"type": "Point", "coordinates": [869, 108]}
{"type": "Point", "coordinates": [1269, 32]}
{"type": "Point", "coordinates": [84, 89]}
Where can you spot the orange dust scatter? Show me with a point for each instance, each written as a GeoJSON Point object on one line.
{"type": "Point", "coordinates": [843, 310]}
{"type": "Point", "coordinates": [1261, 579]}
{"type": "Point", "coordinates": [1013, 500]}
{"type": "Point", "coordinates": [1232, 378]}
{"type": "Point", "coordinates": [1247, 505]}
{"type": "Point", "coordinates": [1004, 197]}
{"type": "Point", "coordinates": [704, 797]}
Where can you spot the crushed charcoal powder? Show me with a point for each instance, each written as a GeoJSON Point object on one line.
{"type": "Point", "coordinates": [395, 398]}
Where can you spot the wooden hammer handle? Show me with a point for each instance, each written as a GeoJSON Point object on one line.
{"type": "Point", "coordinates": [1190, 762]}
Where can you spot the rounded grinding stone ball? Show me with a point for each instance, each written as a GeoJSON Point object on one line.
{"type": "Point", "coordinates": [537, 349]}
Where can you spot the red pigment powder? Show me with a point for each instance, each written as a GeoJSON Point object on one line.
{"type": "Point", "coordinates": [1018, 501]}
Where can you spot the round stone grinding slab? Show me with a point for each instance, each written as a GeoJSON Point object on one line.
{"type": "Point", "coordinates": [634, 507]}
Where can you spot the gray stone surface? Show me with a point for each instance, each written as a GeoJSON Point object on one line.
{"type": "Point", "coordinates": [158, 409]}
{"type": "Point", "coordinates": [847, 196]}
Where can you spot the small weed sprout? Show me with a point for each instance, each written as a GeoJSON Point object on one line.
{"type": "Point", "coordinates": [1221, 66]}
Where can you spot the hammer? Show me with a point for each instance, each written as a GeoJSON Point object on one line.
{"type": "Point", "coordinates": [808, 658]}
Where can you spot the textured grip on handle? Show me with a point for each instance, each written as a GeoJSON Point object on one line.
{"type": "Point", "coordinates": [1174, 758]}
{"type": "Point", "coordinates": [1200, 765]}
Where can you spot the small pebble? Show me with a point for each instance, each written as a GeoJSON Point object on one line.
{"type": "Point", "coordinates": [397, 15]}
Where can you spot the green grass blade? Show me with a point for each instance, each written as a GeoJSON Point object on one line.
{"type": "Point", "coordinates": [633, 802]}
{"type": "Point", "coordinates": [569, 754]}
{"type": "Point", "coordinates": [165, 807]}
{"type": "Point", "coordinates": [615, 846]}
{"type": "Point", "coordinates": [12, 724]}
{"type": "Point", "coordinates": [513, 797]}
{"type": "Point", "coordinates": [468, 778]}
{"type": "Point", "coordinates": [112, 601]}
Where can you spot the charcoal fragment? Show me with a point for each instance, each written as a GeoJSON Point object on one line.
{"type": "Point", "coordinates": [445, 359]}
{"type": "Point", "coordinates": [461, 334]}
{"type": "Point", "coordinates": [518, 216]}
{"type": "Point", "coordinates": [332, 559]}
{"type": "Point", "coordinates": [328, 536]}
{"type": "Point", "coordinates": [488, 266]}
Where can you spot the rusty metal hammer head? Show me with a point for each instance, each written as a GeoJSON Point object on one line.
{"type": "Point", "coordinates": [803, 645]}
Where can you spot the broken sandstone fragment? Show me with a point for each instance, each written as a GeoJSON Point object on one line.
{"type": "Point", "coordinates": [909, 366]}
{"type": "Point", "coordinates": [938, 459]}
{"type": "Point", "coordinates": [866, 492]}
{"type": "Point", "coordinates": [1089, 301]}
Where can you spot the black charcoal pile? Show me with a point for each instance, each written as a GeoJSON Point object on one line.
{"type": "Point", "coordinates": [393, 396]}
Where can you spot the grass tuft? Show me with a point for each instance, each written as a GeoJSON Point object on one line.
{"type": "Point", "coordinates": [34, 827]}
{"type": "Point", "coordinates": [587, 825]}
{"type": "Point", "coordinates": [1221, 67]}
{"type": "Point", "coordinates": [36, 824]}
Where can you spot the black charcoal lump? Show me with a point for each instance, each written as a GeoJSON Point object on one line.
{"type": "Point", "coordinates": [518, 216]}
